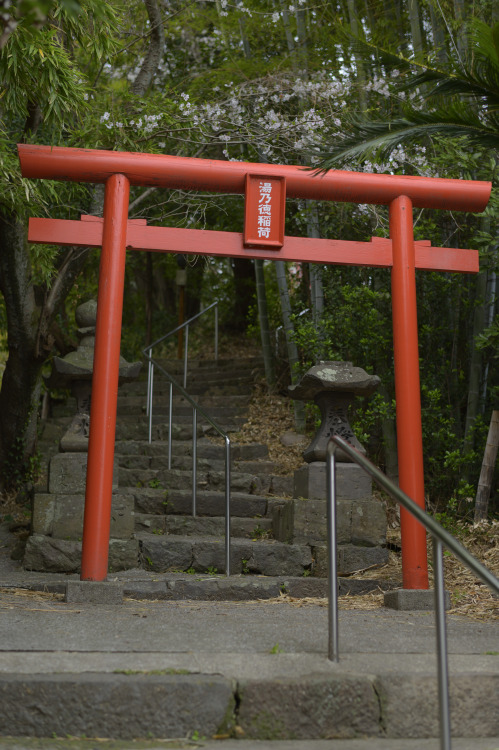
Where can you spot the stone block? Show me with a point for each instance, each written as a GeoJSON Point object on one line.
{"type": "Point", "coordinates": [94, 592]}
{"type": "Point", "coordinates": [212, 555]}
{"type": "Point", "coordinates": [213, 504]}
{"type": "Point", "coordinates": [123, 554]}
{"type": "Point", "coordinates": [413, 599]}
{"type": "Point", "coordinates": [68, 473]}
{"type": "Point", "coordinates": [145, 589]}
{"type": "Point", "coordinates": [309, 706]}
{"type": "Point", "coordinates": [352, 483]}
{"type": "Point", "coordinates": [276, 559]}
{"type": "Point", "coordinates": [42, 521]}
{"type": "Point", "coordinates": [44, 553]}
{"type": "Point", "coordinates": [473, 705]}
{"type": "Point", "coordinates": [152, 501]}
{"type": "Point", "coordinates": [368, 523]}
{"type": "Point", "coordinates": [249, 451]}
{"type": "Point", "coordinates": [68, 516]}
{"type": "Point", "coordinates": [282, 486]}
{"type": "Point", "coordinates": [165, 553]}
{"type": "Point", "coordinates": [50, 555]}
{"type": "Point", "coordinates": [133, 461]}
{"type": "Point", "coordinates": [220, 588]}
{"type": "Point", "coordinates": [283, 521]}
{"type": "Point", "coordinates": [121, 706]}
{"type": "Point", "coordinates": [240, 482]}
{"type": "Point", "coordinates": [350, 558]}
{"type": "Point", "coordinates": [310, 523]}
{"type": "Point", "coordinates": [150, 523]}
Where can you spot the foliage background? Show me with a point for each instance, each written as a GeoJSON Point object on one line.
{"type": "Point", "coordinates": [257, 80]}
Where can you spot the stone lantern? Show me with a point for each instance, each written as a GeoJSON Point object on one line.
{"type": "Point", "coordinates": [333, 386]}
{"type": "Point", "coordinates": [361, 517]}
{"type": "Point", "coordinates": [75, 371]}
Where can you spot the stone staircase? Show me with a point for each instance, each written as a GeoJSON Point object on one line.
{"type": "Point", "coordinates": [152, 524]}
{"type": "Point", "coordinates": [170, 538]}
{"type": "Point", "coordinates": [153, 527]}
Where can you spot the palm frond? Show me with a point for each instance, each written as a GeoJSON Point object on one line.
{"type": "Point", "coordinates": [380, 138]}
{"type": "Point", "coordinates": [485, 42]}
{"type": "Point", "coordinates": [469, 86]}
{"type": "Point", "coordinates": [436, 83]}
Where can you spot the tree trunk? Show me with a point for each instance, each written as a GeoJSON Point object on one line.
{"type": "Point", "coordinates": [361, 72]}
{"type": "Point", "coordinates": [475, 376]}
{"type": "Point", "coordinates": [438, 31]}
{"type": "Point", "coordinates": [244, 293]}
{"type": "Point", "coordinates": [152, 59]}
{"type": "Point", "coordinates": [479, 322]}
{"type": "Point", "coordinates": [415, 21]}
{"type": "Point", "coordinates": [487, 473]}
{"type": "Point", "coordinates": [21, 383]}
{"type": "Point", "coordinates": [316, 288]}
{"type": "Point", "coordinates": [263, 318]}
{"type": "Point", "coordinates": [299, 407]}
{"type": "Point", "coordinates": [388, 427]}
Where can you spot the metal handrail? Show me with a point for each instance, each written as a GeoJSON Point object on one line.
{"type": "Point", "coordinates": [148, 350]}
{"type": "Point", "coordinates": [440, 537]}
{"type": "Point", "coordinates": [196, 408]}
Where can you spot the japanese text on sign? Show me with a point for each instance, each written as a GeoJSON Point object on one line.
{"type": "Point", "coordinates": [264, 209]}
{"type": "Point", "coordinates": [265, 206]}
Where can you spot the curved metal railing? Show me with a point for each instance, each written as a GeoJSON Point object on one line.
{"type": "Point", "coordinates": [441, 538]}
{"type": "Point", "coordinates": [196, 409]}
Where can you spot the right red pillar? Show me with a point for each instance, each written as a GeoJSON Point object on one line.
{"type": "Point", "coordinates": [407, 391]}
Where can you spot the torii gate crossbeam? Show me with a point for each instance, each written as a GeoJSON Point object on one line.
{"type": "Point", "coordinates": [115, 233]}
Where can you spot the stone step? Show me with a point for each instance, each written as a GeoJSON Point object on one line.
{"type": "Point", "coordinates": [137, 428]}
{"type": "Point", "coordinates": [208, 503]}
{"type": "Point", "coordinates": [202, 379]}
{"type": "Point", "coordinates": [239, 400]}
{"type": "Point", "coordinates": [184, 462]}
{"type": "Point", "coordinates": [209, 395]}
{"type": "Point", "coordinates": [203, 526]}
{"type": "Point", "coordinates": [173, 479]}
{"type": "Point", "coordinates": [204, 554]}
{"type": "Point", "coordinates": [182, 413]}
{"type": "Point", "coordinates": [141, 471]}
{"type": "Point", "coordinates": [205, 449]}
{"type": "Point", "coordinates": [199, 390]}
{"type": "Point", "coordinates": [230, 364]}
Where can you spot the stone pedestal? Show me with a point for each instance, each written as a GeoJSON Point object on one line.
{"type": "Point", "coordinates": [57, 524]}
{"type": "Point", "coordinates": [360, 517]}
{"type": "Point", "coordinates": [351, 481]}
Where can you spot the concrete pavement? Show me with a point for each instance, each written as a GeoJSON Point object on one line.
{"type": "Point", "coordinates": [254, 669]}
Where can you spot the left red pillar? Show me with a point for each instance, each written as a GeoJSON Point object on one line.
{"type": "Point", "coordinates": [97, 518]}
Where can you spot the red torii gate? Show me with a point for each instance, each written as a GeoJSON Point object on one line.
{"type": "Point", "coordinates": [115, 234]}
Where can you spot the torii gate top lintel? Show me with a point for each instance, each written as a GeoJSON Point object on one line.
{"type": "Point", "coordinates": [114, 233]}
{"type": "Point", "coordinates": [89, 165]}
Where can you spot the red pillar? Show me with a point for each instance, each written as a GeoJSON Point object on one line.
{"type": "Point", "coordinates": [407, 391]}
{"type": "Point", "coordinates": [97, 519]}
